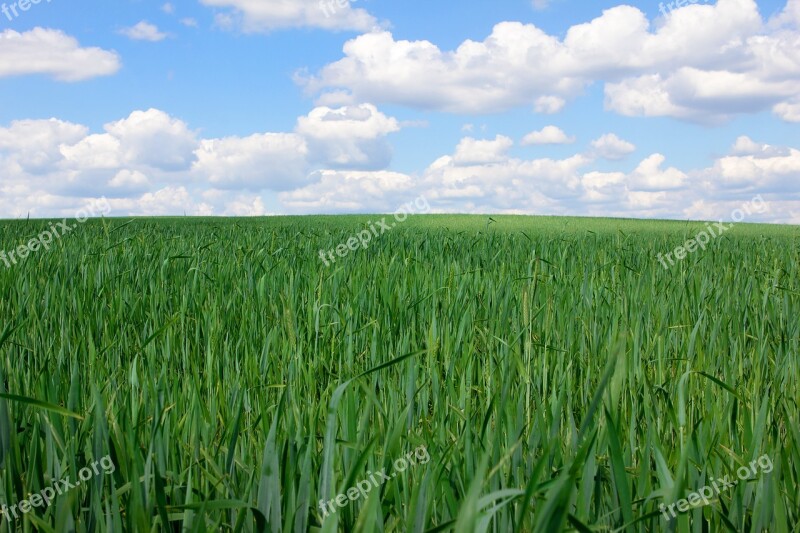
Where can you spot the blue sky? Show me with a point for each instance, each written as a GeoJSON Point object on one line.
{"type": "Point", "coordinates": [253, 107]}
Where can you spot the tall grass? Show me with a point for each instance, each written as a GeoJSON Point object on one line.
{"type": "Point", "coordinates": [558, 376]}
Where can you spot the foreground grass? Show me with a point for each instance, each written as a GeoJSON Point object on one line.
{"type": "Point", "coordinates": [558, 377]}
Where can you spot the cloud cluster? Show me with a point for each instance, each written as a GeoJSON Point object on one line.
{"type": "Point", "coordinates": [482, 177]}
{"type": "Point", "coordinates": [702, 63]}
{"type": "Point", "coordinates": [151, 163]}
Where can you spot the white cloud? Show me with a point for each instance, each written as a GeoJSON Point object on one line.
{"type": "Point", "coordinates": [148, 156]}
{"type": "Point", "coordinates": [788, 111]}
{"type": "Point", "coordinates": [345, 190]}
{"type": "Point", "coordinates": [245, 206]}
{"type": "Point", "coordinates": [547, 135]}
{"type": "Point", "coordinates": [476, 152]}
{"type": "Point", "coordinates": [650, 177]}
{"type": "Point", "coordinates": [155, 139]}
{"type": "Point", "coordinates": [481, 177]}
{"type": "Point", "coordinates": [697, 95]}
{"type": "Point", "coordinates": [549, 105]}
{"type": "Point", "coordinates": [32, 146]}
{"type": "Point", "coordinates": [496, 183]}
{"type": "Point", "coordinates": [151, 163]}
{"type": "Point", "coordinates": [770, 168]}
{"type": "Point", "coordinates": [265, 15]}
{"type": "Point", "coordinates": [275, 161]}
{"type": "Point", "coordinates": [744, 145]}
{"type": "Point", "coordinates": [599, 180]}
{"type": "Point", "coordinates": [476, 78]}
{"type": "Point", "coordinates": [166, 201]}
{"type": "Point", "coordinates": [189, 22]}
{"type": "Point", "coordinates": [53, 53]}
{"type": "Point", "coordinates": [611, 147]}
{"type": "Point", "coordinates": [168, 8]}
{"type": "Point", "coordinates": [702, 63]}
{"type": "Point", "coordinates": [147, 138]}
{"type": "Point", "coordinates": [151, 156]}
{"type": "Point", "coordinates": [351, 137]}
{"type": "Point", "coordinates": [144, 31]}
{"type": "Point", "coordinates": [789, 18]}
{"type": "Point", "coordinates": [94, 152]}
{"type": "Point", "coordinates": [129, 181]}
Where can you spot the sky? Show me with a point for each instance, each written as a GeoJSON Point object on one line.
{"type": "Point", "coordinates": [672, 110]}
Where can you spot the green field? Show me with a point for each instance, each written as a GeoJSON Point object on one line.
{"type": "Point", "coordinates": [558, 377]}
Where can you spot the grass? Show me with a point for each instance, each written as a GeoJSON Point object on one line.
{"type": "Point", "coordinates": [558, 376]}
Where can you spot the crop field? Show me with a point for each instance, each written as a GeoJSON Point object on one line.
{"type": "Point", "coordinates": [456, 373]}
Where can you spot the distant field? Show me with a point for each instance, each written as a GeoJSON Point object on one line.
{"type": "Point", "coordinates": [556, 376]}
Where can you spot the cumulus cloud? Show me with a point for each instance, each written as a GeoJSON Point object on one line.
{"type": "Point", "coordinates": [265, 15]}
{"type": "Point", "coordinates": [48, 164]}
{"type": "Point", "coordinates": [649, 176]}
{"type": "Point", "coordinates": [245, 206]}
{"type": "Point", "coordinates": [351, 137]}
{"type": "Point", "coordinates": [698, 95]}
{"type": "Point", "coordinates": [53, 53]}
{"type": "Point", "coordinates": [150, 156]}
{"type": "Point", "coordinates": [151, 163]}
{"type": "Point", "coordinates": [274, 161]}
{"type": "Point", "coordinates": [168, 200]}
{"type": "Point", "coordinates": [478, 77]}
{"type": "Point", "coordinates": [547, 135]}
{"type": "Point", "coordinates": [181, 200]}
{"type": "Point", "coordinates": [32, 146]}
{"type": "Point", "coordinates": [490, 181]}
{"type": "Point", "coordinates": [150, 138]}
{"type": "Point", "coordinates": [549, 105]}
{"type": "Point", "coordinates": [348, 191]}
{"type": "Point", "coordinates": [129, 181]}
{"type": "Point", "coordinates": [481, 177]}
{"type": "Point", "coordinates": [155, 139]}
{"type": "Point", "coordinates": [788, 111]}
{"type": "Point", "coordinates": [93, 152]}
{"type": "Point", "coordinates": [144, 31]}
{"type": "Point", "coordinates": [611, 147]}
{"type": "Point", "coordinates": [756, 167]}
{"type": "Point", "coordinates": [744, 145]}
{"type": "Point", "coordinates": [702, 63]}
{"type": "Point", "coordinates": [789, 18]}
{"type": "Point", "coordinates": [474, 151]}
